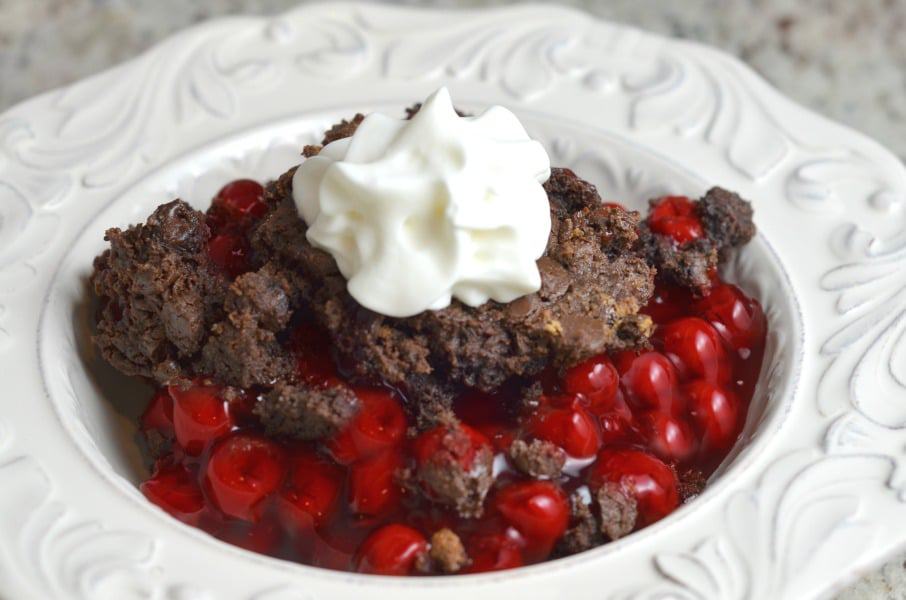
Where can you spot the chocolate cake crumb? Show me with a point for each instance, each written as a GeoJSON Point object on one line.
{"type": "Point", "coordinates": [158, 293]}
{"type": "Point", "coordinates": [690, 265]}
{"type": "Point", "coordinates": [530, 396]}
{"type": "Point", "coordinates": [242, 353]}
{"type": "Point", "coordinates": [539, 458]}
{"type": "Point", "coordinates": [263, 295]}
{"type": "Point", "coordinates": [593, 285]}
{"type": "Point", "coordinates": [691, 484]}
{"type": "Point", "coordinates": [446, 554]}
{"type": "Point", "coordinates": [726, 218]}
{"type": "Point", "coordinates": [443, 478]}
{"type": "Point", "coordinates": [343, 129]}
{"type": "Point", "coordinates": [619, 512]}
{"type": "Point", "coordinates": [306, 412]}
{"type": "Point", "coordinates": [310, 150]}
{"type": "Point", "coordinates": [584, 532]}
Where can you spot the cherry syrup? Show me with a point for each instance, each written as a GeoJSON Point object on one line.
{"type": "Point", "coordinates": [641, 420]}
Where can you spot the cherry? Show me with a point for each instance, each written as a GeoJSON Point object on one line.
{"type": "Point", "coordinates": [200, 416]}
{"type": "Point", "coordinates": [158, 415]}
{"type": "Point", "coordinates": [237, 205]}
{"type": "Point", "coordinates": [668, 302]}
{"type": "Point", "coordinates": [314, 364]}
{"type": "Point", "coordinates": [696, 349]}
{"type": "Point", "coordinates": [390, 550]}
{"type": "Point", "coordinates": [495, 551]}
{"type": "Point", "coordinates": [380, 424]}
{"type": "Point", "coordinates": [715, 414]}
{"type": "Point", "coordinates": [738, 318]}
{"type": "Point", "coordinates": [668, 437]}
{"type": "Point", "coordinates": [229, 252]}
{"type": "Point", "coordinates": [596, 379]}
{"type": "Point", "coordinates": [571, 427]}
{"type": "Point", "coordinates": [642, 476]}
{"type": "Point", "coordinates": [650, 382]}
{"type": "Point", "coordinates": [487, 414]}
{"type": "Point", "coordinates": [674, 216]}
{"type": "Point", "coordinates": [373, 490]}
{"type": "Point", "coordinates": [242, 472]}
{"type": "Point", "coordinates": [538, 510]}
{"type": "Point", "coordinates": [174, 488]}
{"type": "Point", "coordinates": [615, 429]}
{"type": "Point", "coordinates": [310, 494]}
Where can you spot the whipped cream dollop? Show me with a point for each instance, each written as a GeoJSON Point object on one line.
{"type": "Point", "coordinates": [417, 212]}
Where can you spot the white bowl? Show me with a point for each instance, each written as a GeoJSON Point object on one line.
{"type": "Point", "coordinates": [804, 503]}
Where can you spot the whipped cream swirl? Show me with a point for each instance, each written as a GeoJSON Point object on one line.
{"type": "Point", "coordinates": [418, 212]}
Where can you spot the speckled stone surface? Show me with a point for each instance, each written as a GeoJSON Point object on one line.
{"type": "Point", "coordinates": [843, 58]}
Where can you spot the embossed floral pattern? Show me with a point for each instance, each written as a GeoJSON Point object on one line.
{"type": "Point", "coordinates": [65, 155]}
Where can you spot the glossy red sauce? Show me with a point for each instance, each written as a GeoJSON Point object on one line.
{"type": "Point", "coordinates": [638, 419]}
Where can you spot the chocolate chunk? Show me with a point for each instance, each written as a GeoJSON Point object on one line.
{"type": "Point", "coordinates": [456, 476]}
{"type": "Point", "coordinates": [239, 352]}
{"type": "Point", "coordinates": [306, 412]}
{"type": "Point", "coordinates": [618, 511]}
{"type": "Point", "coordinates": [583, 533]}
{"type": "Point", "coordinates": [158, 293]}
{"type": "Point", "coordinates": [538, 458]}
{"type": "Point", "coordinates": [446, 554]}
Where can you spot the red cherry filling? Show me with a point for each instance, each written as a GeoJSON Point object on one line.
{"type": "Point", "coordinates": [462, 448]}
{"type": "Point", "coordinates": [651, 483]}
{"type": "Point", "coordinates": [314, 365]}
{"type": "Point", "coordinates": [495, 551]}
{"type": "Point", "coordinates": [696, 349]}
{"type": "Point", "coordinates": [597, 380]}
{"type": "Point", "coordinates": [715, 414]}
{"type": "Point", "coordinates": [391, 550]}
{"type": "Point", "coordinates": [311, 492]}
{"type": "Point", "coordinates": [365, 499]}
{"type": "Point", "coordinates": [175, 489]}
{"type": "Point", "coordinates": [379, 425]}
{"type": "Point", "coordinates": [668, 437]}
{"type": "Point", "coordinates": [536, 509]}
{"type": "Point", "coordinates": [650, 381]}
{"type": "Point", "coordinates": [674, 216]}
{"type": "Point", "coordinates": [668, 302]}
{"type": "Point", "coordinates": [237, 205]}
{"type": "Point", "coordinates": [264, 537]}
{"type": "Point", "coordinates": [571, 427]}
{"type": "Point", "coordinates": [229, 252]}
{"type": "Point", "coordinates": [200, 416]}
{"type": "Point", "coordinates": [242, 472]}
{"type": "Point", "coordinates": [373, 489]}
{"type": "Point", "coordinates": [737, 318]}
{"type": "Point", "coordinates": [158, 415]}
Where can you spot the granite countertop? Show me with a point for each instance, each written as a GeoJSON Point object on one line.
{"type": "Point", "coordinates": [843, 58]}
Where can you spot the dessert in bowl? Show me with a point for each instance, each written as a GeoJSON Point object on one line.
{"type": "Point", "coordinates": [426, 351]}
